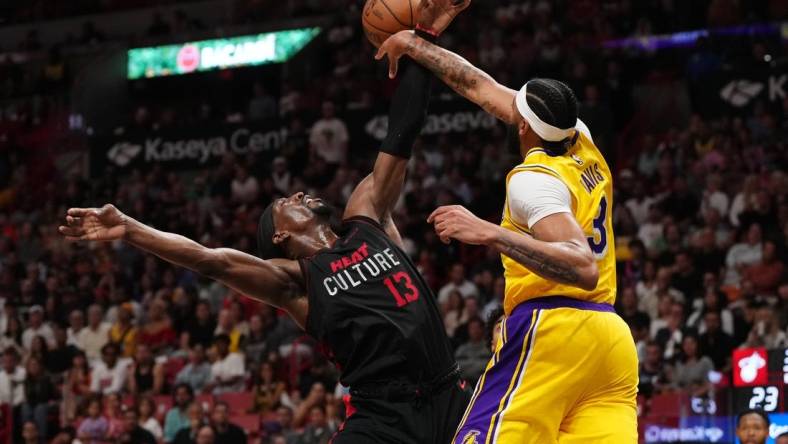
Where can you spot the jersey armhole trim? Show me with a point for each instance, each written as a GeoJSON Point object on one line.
{"type": "Point", "coordinates": [302, 263]}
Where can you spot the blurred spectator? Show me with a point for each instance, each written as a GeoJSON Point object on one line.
{"type": "Point", "coordinates": [317, 430]}
{"type": "Point", "coordinates": [328, 137]}
{"type": "Point", "coordinates": [473, 355]}
{"type": "Point", "coordinates": [40, 392]}
{"type": "Point", "coordinates": [76, 386]}
{"type": "Point", "coordinates": [188, 435]}
{"type": "Point", "coordinates": [652, 374]}
{"type": "Point", "coordinates": [267, 390]}
{"type": "Point", "coordinates": [157, 333]}
{"type": "Point", "coordinates": [227, 371]}
{"type": "Point", "coordinates": [628, 309]}
{"type": "Point", "coordinates": [206, 435]}
{"type": "Point", "coordinates": [202, 327]}
{"type": "Point", "coordinates": [227, 326]}
{"type": "Point", "coordinates": [457, 281]}
{"type": "Point", "coordinates": [714, 197]}
{"type": "Point", "coordinates": [692, 369]}
{"type": "Point", "coordinates": [93, 429]}
{"type": "Point", "coordinates": [712, 302]}
{"type": "Point", "coordinates": [76, 322]}
{"type": "Point", "coordinates": [37, 327]}
{"type": "Point", "coordinates": [133, 432]}
{"type": "Point", "coordinates": [146, 411]}
{"type": "Point", "coordinates": [263, 105]}
{"type": "Point", "coordinates": [670, 337]}
{"type": "Point", "coordinates": [123, 333]}
{"type": "Point", "coordinates": [767, 273]}
{"type": "Point", "coordinates": [60, 357]}
{"type": "Point", "coordinates": [177, 417]}
{"type": "Point", "coordinates": [109, 375]}
{"type": "Point", "coordinates": [244, 186]}
{"type": "Point", "coordinates": [12, 379]}
{"type": "Point", "coordinates": [145, 375]}
{"type": "Point", "coordinates": [454, 312]}
{"type": "Point", "coordinates": [714, 342]}
{"type": "Point", "coordinates": [746, 253]}
{"type": "Point", "coordinates": [685, 277]}
{"type": "Point", "coordinates": [197, 373]}
{"type": "Point", "coordinates": [13, 334]}
{"type": "Point", "coordinates": [92, 338]}
{"type": "Point", "coordinates": [226, 431]}
{"type": "Point", "coordinates": [31, 434]}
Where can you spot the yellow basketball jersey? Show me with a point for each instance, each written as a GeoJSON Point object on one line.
{"type": "Point", "coordinates": [584, 171]}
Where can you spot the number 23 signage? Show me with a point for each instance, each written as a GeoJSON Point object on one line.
{"type": "Point", "coordinates": [759, 378]}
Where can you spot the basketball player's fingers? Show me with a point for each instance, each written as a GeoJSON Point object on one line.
{"type": "Point", "coordinates": [437, 212]}
{"type": "Point", "coordinates": [393, 65]}
{"type": "Point", "coordinates": [79, 212]}
{"type": "Point", "coordinates": [71, 232]}
{"type": "Point", "coordinates": [74, 221]}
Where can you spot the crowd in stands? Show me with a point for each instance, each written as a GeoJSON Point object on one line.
{"type": "Point", "coordinates": [102, 343]}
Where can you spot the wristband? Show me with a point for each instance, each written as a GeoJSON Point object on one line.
{"type": "Point", "coordinates": [426, 34]}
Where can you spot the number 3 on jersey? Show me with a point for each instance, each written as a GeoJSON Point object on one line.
{"type": "Point", "coordinates": [598, 242]}
{"type": "Point", "coordinates": [402, 278]}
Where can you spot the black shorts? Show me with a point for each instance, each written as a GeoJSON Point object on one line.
{"type": "Point", "coordinates": [429, 420]}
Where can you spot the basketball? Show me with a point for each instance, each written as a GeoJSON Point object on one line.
{"type": "Point", "coordinates": [382, 18]}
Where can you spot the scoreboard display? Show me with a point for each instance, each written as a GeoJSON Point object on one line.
{"type": "Point", "coordinates": [759, 379]}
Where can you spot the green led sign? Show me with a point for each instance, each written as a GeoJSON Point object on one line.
{"type": "Point", "coordinates": [205, 55]}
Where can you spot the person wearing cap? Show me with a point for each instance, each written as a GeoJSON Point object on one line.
{"type": "Point", "coordinates": [37, 327]}
{"type": "Point", "coordinates": [566, 368]}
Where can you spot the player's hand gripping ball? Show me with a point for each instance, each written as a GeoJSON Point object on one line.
{"type": "Point", "coordinates": [383, 18]}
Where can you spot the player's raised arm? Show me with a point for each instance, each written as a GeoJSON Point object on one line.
{"type": "Point", "coordinates": [377, 194]}
{"type": "Point", "coordinates": [458, 73]}
{"type": "Point", "coordinates": [273, 281]}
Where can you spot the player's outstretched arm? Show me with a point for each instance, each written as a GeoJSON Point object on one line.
{"type": "Point", "coordinates": [558, 249]}
{"type": "Point", "coordinates": [377, 194]}
{"type": "Point", "coordinates": [274, 282]}
{"type": "Point", "coordinates": [458, 73]}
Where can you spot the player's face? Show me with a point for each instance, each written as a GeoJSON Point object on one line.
{"type": "Point", "coordinates": [297, 217]}
{"type": "Point", "coordinates": [752, 430]}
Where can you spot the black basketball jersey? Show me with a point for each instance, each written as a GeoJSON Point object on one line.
{"type": "Point", "coordinates": [372, 311]}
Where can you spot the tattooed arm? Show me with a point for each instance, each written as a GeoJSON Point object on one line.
{"type": "Point", "coordinates": [459, 74]}
{"type": "Point", "coordinates": [558, 250]}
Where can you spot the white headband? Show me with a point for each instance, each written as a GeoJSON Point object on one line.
{"type": "Point", "coordinates": [544, 130]}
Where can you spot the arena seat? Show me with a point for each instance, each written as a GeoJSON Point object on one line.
{"type": "Point", "coordinates": [163, 404]}
{"type": "Point", "coordinates": [666, 405]}
{"type": "Point", "coordinates": [249, 422]}
{"type": "Point", "coordinates": [240, 402]}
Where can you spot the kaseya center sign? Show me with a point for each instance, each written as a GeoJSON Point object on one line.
{"type": "Point", "coordinates": [206, 55]}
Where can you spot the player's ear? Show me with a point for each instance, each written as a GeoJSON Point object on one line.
{"type": "Point", "coordinates": [523, 127]}
{"type": "Point", "coordinates": [280, 236]}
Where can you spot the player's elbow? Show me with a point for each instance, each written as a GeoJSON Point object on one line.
{"type": "Point", "coordinates": [589, 276]}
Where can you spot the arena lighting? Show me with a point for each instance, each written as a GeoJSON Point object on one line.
{"type": "Point", "coordinates": [206, 55]}
{"type": "Point", "coordinates": [688, 38]}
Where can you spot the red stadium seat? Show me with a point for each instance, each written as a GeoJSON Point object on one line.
{"type": "Point", "coordinates": [163, 404]}
{"type": "Point", "coordinates": [666, 405]}
{"type": "Point", "coordinates": [249, 422]}
{"type": "Point", "coordinates": [171, 369]}
{"type": "Point", "coordinates": [239, 402]}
